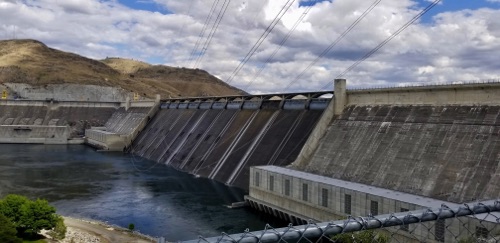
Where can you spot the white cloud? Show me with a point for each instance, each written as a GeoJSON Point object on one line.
{"type": "Point", "coordinates": [455, 46]}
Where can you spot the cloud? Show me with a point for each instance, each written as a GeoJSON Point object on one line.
{"type": "Point", "coordinates": [452, 46]}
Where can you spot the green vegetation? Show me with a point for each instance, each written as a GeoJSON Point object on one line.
{"type": "Point", "coordinates": [24, 218]}
{"type": "Point", "coordinates": [59, 230]}
{"type": "Point", "coordinates": [131, 227]}
{"type": "Point", "coordinates": [8, 232]}
{"type": "Point", "coordinates": [364, 236]}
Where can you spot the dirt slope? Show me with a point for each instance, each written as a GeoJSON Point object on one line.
{"type": "Point", "coordinates": [32, 62]}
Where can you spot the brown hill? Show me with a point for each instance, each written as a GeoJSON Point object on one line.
{"type": "Point", "coordinates": [32, 62]}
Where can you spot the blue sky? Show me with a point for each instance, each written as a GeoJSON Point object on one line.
{"type": "Point", "coordinates": [147, 5]}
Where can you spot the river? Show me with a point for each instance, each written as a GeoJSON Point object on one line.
{"type": "Point", "coordinates": [122, 189]}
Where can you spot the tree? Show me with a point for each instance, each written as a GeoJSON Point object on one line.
{"type": "Point", "coordinates": [59, 231]}
{"type": "Point", "coordinates": [7, 231]}
{"type": "Point", "coordinates": [28, 217]}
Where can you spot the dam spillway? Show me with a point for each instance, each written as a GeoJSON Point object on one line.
{"type": "Point", "coordinates": [446, 152]}
{"type": "Point", "coordinates": [221, 140]}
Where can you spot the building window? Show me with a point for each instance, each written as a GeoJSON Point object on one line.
{"type": "Point", "coordinates": [271, 183]}
{"type": "Point", "coordinates": [482, 232]}
{"type": "Point", "coordinates": [373, 207]}
{"type": "Point", "coordinates": [324, 197]}
{"type": "Point", "coordinates": [405, 227]}
{"type": "Point", "coordinates": [439, 230]}
{"type": "Point", "coordinates": [287, 187]}
{"type": "Point", "coordinates": [347, 204]}
{"type": "Point", "coordinates": [305, 192]}
{"type": "Point", "coordinates": [257, 179]}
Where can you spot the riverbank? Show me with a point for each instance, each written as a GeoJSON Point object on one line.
{"type": "Point", "coordinates": [89, 231]}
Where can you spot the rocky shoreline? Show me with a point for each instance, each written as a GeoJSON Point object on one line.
{"type": "Point", "coordinates": [74, 235]}
{"type": "Point", "coordinates": [91, 231]}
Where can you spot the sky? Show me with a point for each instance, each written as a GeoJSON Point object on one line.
{"type": "Point", "coordinates": [456, 41]}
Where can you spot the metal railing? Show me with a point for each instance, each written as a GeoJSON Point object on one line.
{"type": "Point", "coordinates": [478, 223]}
{"type": "Point", "coordinates": [426, 84]}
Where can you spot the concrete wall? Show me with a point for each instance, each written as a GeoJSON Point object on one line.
{"type": "Point", "coordinates": [444, 152]}
{"type": "Point", "coordinates": [35, 134]}
{"type": "Point", "coordinates": [410, 138]}
{"type": "Point", "coordinates": [54, 104]}
{"type": "Point", "coordinates": [105, 140]}
{"type": "Point", "coordinates": [68, 92]}
{"type": "Point", "coordinates": [458, 94]}
{"type": "Point", "coordinates": [318, 132]}
{"type": "Point", "coordinates": [123, 126]}
{"type": "Point", "coordinates": [47, 114]}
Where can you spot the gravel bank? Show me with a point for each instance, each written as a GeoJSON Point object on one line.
{"type": "Point", "coordinates": [84, 231]}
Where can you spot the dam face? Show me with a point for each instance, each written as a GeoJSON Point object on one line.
{"type": "Point", "coordinates": [222, 140]}
{"type": "Point", "coordinates": [50, 122]}
{"type": "Point", "coordinates": [444, 152]}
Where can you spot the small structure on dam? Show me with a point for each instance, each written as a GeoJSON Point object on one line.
{"type": "Point", "coordinates": [392, 150]}
{"type": "Point", "coordinates": [123, 126]}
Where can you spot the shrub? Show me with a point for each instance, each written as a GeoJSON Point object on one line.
{"type": "Point", "coordinates": [59, 231]}
{"type": "Point", "coordinates": [28, 217]}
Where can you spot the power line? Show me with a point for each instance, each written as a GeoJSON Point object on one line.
{"type": "Point", "coordinates": [271, 57]}
{"type": "Point", "coordinates": [202, 33]}
{"type": "Point", "coordinates": [180, 32]}
{"type": "Point", "coordinates": [264, 35]}
{"type": "Point", "coordinates": [215, 26]}
{"type": "Point", "coordinates": [383, 43]}
{"type": "Point", "coordinates": [335, 42]}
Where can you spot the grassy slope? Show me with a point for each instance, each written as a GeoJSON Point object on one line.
{"type": "Point", "coordinates": [32, 62]}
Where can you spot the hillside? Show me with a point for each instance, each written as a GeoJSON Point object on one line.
{"type": "Point", "coordinates": [32, 62]}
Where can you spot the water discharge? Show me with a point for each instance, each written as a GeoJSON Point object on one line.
{"type": "Point", "coordinates": [122, 189]}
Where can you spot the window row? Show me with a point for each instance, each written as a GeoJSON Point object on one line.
{"type": "Point", "coordinates": [324, 194]}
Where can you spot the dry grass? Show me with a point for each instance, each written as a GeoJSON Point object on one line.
{"type": "Point", "coordinates": [32, 62]}
{"type": "Point", "coordinates": [125, 66]}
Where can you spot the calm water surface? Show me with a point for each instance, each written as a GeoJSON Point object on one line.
{"type": "Point", "coordinates": [123, 189]}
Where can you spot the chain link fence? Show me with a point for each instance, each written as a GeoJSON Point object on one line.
{"type": "Point", "coordinates": [477, 223]}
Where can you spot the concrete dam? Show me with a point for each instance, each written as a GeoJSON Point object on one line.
{"type": "Point", "coordinates": [444, 152]}
{"type": "Point", "coordinates": [50, 122]}
{"type": "Point", "coordinates": [389, 150]}
{"type": "Point", "coordinates": [221, 140]}
{"type": "Point", "coordinates": [372, 151]}
{"type": "Point", "coordinates": [214, 137]}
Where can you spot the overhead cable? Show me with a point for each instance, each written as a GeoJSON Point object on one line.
{"type": "Point", "coordinates": [257, 44]}
{"type": "Point", "coordinates": [383, 43]}
{"type": "Point", "coordinates": [202, 32]}
{"type": "Point", "coordinates": [271, 57]}
{"type": "Point", "coordinates": [335, 42]}
{"type": "Point", "coordinates": [215, 26]}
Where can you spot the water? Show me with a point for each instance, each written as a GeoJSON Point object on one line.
{"type": "Point", "coordinates": [123, 189]}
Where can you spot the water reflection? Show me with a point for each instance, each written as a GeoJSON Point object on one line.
{"type": "Point", "coordinates": [123, 189]}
